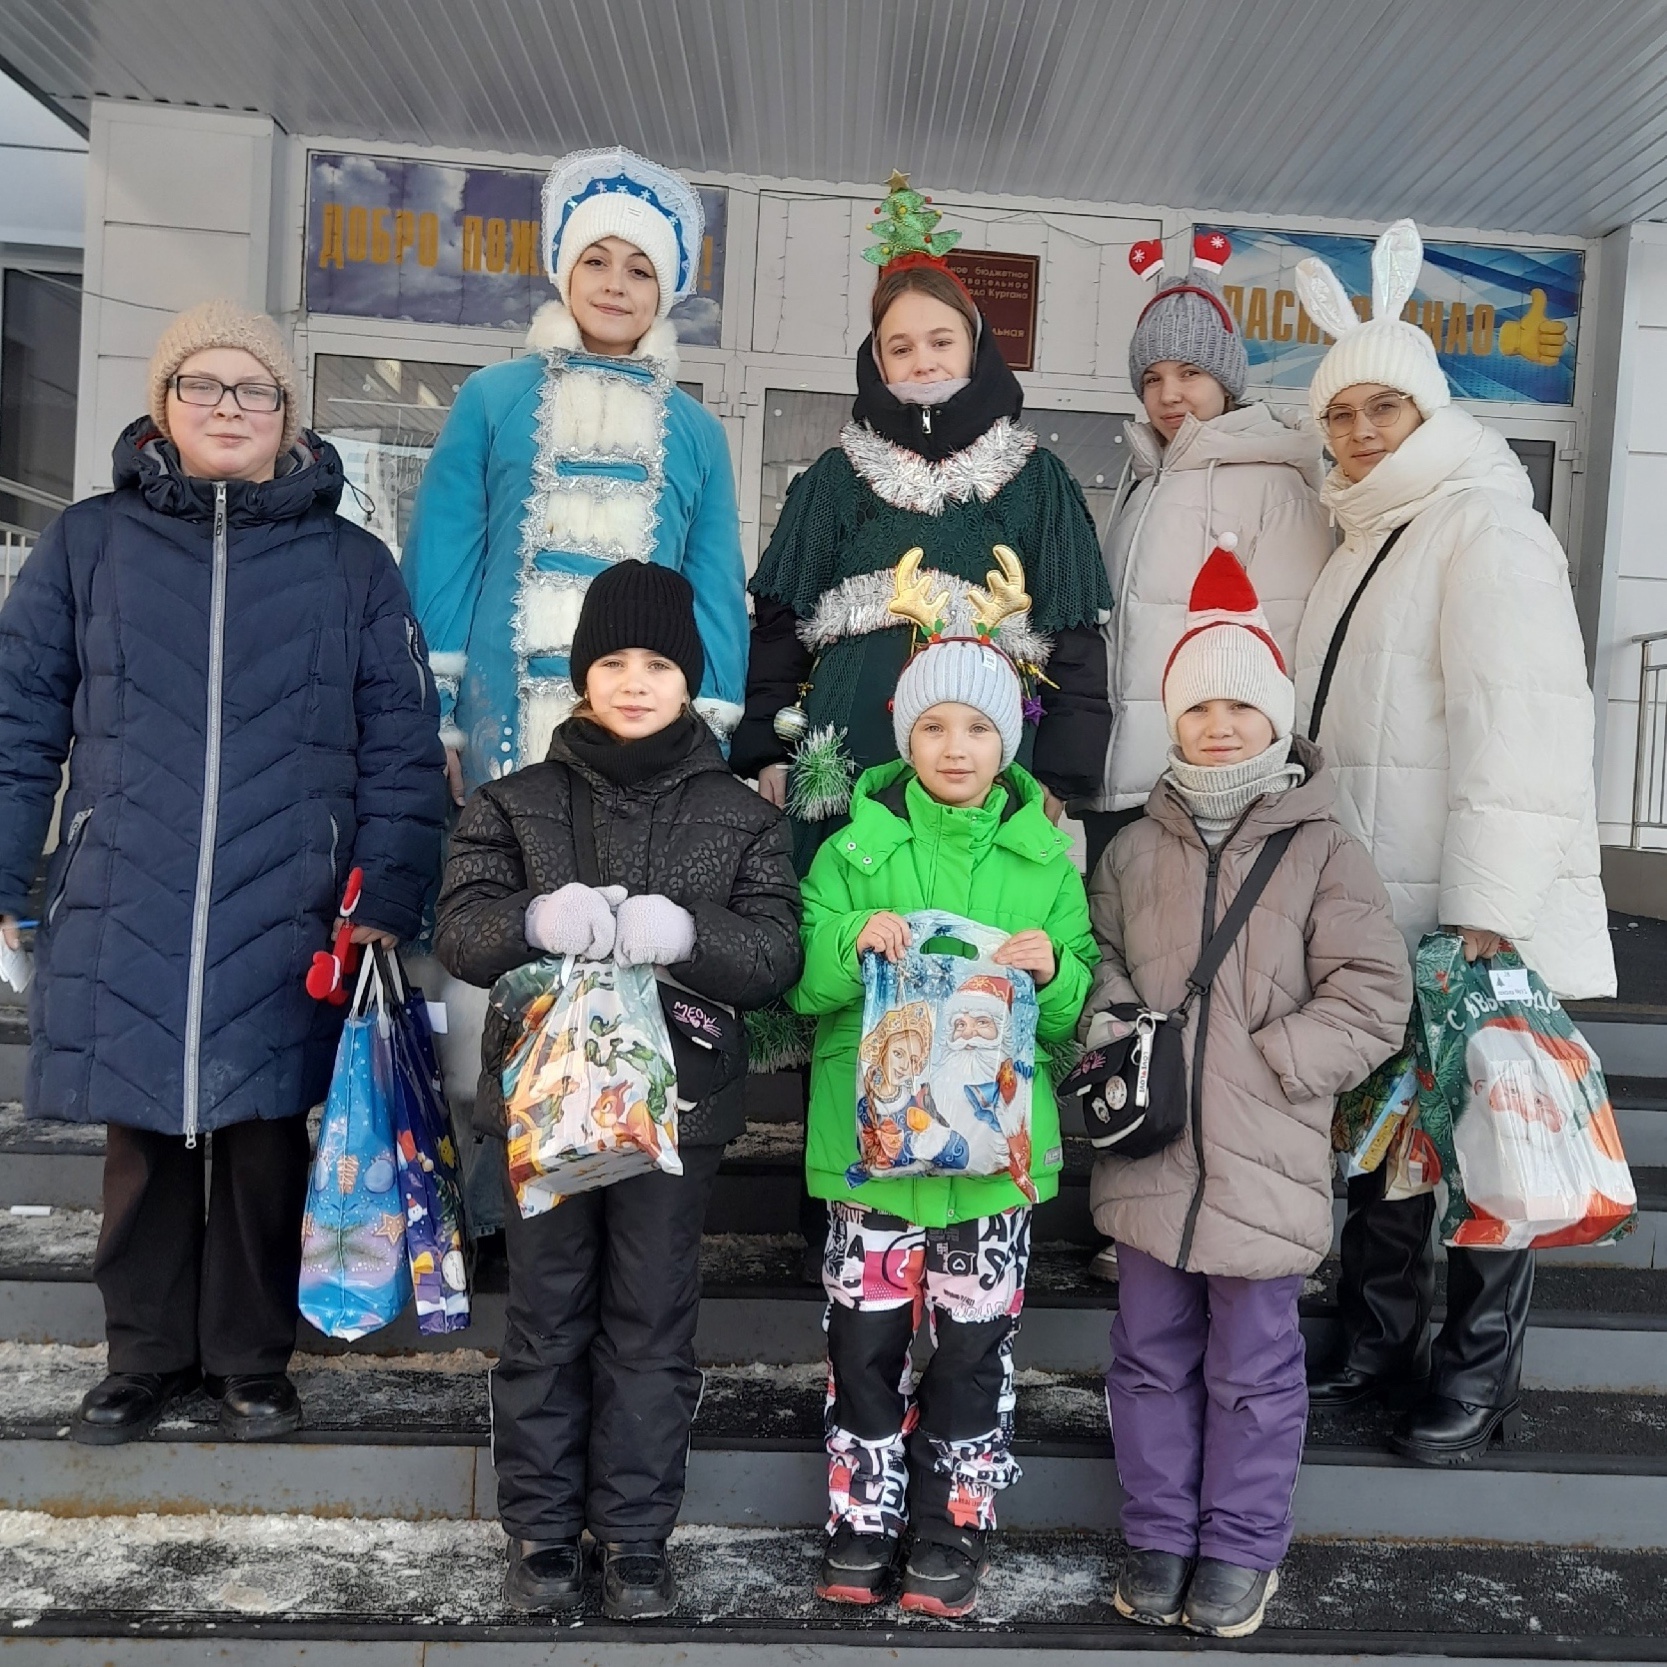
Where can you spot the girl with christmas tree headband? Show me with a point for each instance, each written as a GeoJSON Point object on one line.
{"type": "Point", "coordinates": [935, 458]}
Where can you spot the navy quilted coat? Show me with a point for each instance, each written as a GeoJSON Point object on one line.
{"type": "Point", "coordinates": [251, 714]}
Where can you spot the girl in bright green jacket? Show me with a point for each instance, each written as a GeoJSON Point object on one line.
{"type": "Point", "coordinates": [954, 826]}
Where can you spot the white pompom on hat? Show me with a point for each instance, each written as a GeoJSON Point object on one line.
{"type": "Point", "coordinates": [1385, 348]}
{"type": "Point", "coordinates": [594, 194]}
{"type": "Point", "coordinates": [1227, 651]}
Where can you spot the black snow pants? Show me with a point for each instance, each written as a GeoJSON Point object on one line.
{"type": "Point", "coordinates": [596, 1384]}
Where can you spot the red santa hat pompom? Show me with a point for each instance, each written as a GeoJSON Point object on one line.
{"type": "Point", "coordinates": [1227, 651]}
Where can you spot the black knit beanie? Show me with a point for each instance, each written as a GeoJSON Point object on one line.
{"type": "Point", "coordinates": [639, 604]}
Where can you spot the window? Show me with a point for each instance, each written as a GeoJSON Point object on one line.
{"type": "Point", "coordinates": [799, 425]}
{"type": "Point", "coordinates": [1539, 458]}
{"type": "Point", "coordinates": [383, 416]}
{"type": "Point", "coordinates": [40, 360]}
{"type": "Point", "coordinates": [1091, 445]}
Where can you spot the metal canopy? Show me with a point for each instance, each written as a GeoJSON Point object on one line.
{"type": "Point", "coordinates": [1530, 115]}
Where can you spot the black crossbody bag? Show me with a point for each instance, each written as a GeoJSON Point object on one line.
{"type": "Point", "coordinates": [708, 1039]}
{"type": "Point", "coordinates": [1134, 1090]}
{"type": "Point", "coordinates": [1334, 649]}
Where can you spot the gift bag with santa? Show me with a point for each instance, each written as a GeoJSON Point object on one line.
{"type": "Point", "coordinates": [947, 1058]}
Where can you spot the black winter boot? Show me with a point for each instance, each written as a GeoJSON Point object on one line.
{"type": "Point", "coordinates": [637, 1582]}
{"type": "Point", "coordinates": [256, 1406]}
{"type": "Point", "coordinates": [1152, 1586]}
{"type": "Point", "coordinates": [1225, 1601]}
{"type": "Point", "coordinates": [127, 1406]}
{"type": "Point", "coordinates": [1476, 1366]}
{"type": "Point", "coordinates": [545, 1577]}
{"type": "Point", "coordinates": [1385, 1297]}
{"type": "Point", "coordinates": [941, 1574]}
{"type": "Point", "coordinates": [857, 1568]}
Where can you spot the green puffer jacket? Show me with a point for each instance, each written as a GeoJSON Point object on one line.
{"type": "Point", "coordinates": [1004, 864]}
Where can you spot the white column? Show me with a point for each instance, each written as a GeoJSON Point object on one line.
{"type": "Point", "coordinates": [179, 209]}
{"type": "Point", "coordinates": [1626, 515]}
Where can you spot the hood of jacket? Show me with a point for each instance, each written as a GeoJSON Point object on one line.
{"type": "Point", "coordinates": [992, 393]}
{"type": "Point", "coordinates": [1448, 453]}
{"type": "Point", "coordinates": [881, 808]}
{"type": "Point", "coordinates": [1252, 434]}
{"type": "Point", "coordinates": [1310, 800]}
{"type": "Point", "coordinates": [309, 475]}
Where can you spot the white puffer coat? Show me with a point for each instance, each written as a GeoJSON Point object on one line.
{"type": "Point", "coordinates": [1248, 473]}
{"type": "Point", "coordinates": [1459, 723]}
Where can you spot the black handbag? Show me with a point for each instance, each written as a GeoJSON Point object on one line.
{"type": "Point", "coordinates": [1134, 1090]}
{"type": "Point", "coordinates": [708, 1039]}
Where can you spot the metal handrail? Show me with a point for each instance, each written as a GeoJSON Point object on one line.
{"type": "Point", "coordinates": [31, 494]}
{"type": "Point", "coordinates": [1649, 767]}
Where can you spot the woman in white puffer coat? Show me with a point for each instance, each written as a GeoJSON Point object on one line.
{"type": "Point", "coordinates": [1206, 470]}
{"type": "Point", "coordinates": [1458, 726]}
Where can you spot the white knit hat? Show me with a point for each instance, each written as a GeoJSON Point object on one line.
{"type": "Point", "coordinates": [616, 193]}
{"type": "Point", "coordinates": [1227, 651]}
{"type": "Point", "coordinates": [1384, 348]}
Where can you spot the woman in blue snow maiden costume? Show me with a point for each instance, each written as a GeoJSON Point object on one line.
{"type": "Point", "coordinates": [553, 466]}
{"type": "Point", "coordinates": [584, 453]}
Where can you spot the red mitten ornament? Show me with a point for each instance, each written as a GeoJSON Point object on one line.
{"type": "Point", "coordinates": [327, 976]}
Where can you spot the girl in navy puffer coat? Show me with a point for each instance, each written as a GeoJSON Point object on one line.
{"type": "Point", "coordinates": [235, 675]}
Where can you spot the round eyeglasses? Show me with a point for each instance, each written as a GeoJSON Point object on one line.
{"type": "Point", "coordinates": [1381, 411]}
{"type": "Point", "coordinates": [210, 390]}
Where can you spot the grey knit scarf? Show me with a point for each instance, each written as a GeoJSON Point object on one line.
{"type": "Point", "coordinates": [1219, 794]}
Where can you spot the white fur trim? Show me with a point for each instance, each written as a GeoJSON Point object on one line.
{"type": "Point", "coordinates": [550, 607]}
{"type": "Point", "coordinates": [452, 664]}
{"type": "Point", "coordinates": [616, 526]}
{"type": "Point", "coordinates": [906, 480]}
{"type": "Point", "coordinates": [554, 327]}
{"type": "Point", "coordinates": [857, 606]}
{"type": "Point", "coordinates": [545, 703]}
{"type": "Point", "coordinates": [721, 715]}
{"type": "Point", "coordinates": [605, 416]}
{"type": "Point", "coordinates": [453, 738]}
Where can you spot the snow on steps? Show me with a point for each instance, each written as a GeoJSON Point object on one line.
{"type": "Point", "coordinates": [408, 1438]}
{"type": "Point", "coordinates": [269, 1589]}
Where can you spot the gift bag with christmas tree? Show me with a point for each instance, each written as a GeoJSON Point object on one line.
{"type": "Point", "coordinates": [1514, 1103]}
{"type": "Point", "coordinates": [947, 1058]}
{"type": "Point", "coordinates": [590, 1088]}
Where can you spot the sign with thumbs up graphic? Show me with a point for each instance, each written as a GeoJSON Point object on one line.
{"type": "Point", "coordinates": [1504, 321]}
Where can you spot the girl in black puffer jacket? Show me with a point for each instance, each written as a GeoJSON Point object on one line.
{"type": "Point", "coordinates": [596, 1384]}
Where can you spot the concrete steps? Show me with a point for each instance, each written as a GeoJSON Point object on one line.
{"type": "Point", "coordinates": [368, 1537]}
{"type": "Point", "coordinates": [253, 1590]}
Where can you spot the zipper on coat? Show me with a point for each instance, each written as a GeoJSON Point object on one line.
{"type": "Point", "coordinates": [925, 420]}
{"type": "Point", "coordinates": [1195, 1118]}
{"type": "Point", "coordinates": [71, 837]}
{"type": "Point", "coordinates": [210, 825]}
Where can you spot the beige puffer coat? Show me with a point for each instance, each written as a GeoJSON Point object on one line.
{"type": "Point", "coordinates": [1312, 996]}
{"type": "Point", "coordinates": [1248, 473]}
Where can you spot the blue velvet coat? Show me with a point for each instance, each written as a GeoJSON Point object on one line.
{"type": "Point", "coordinates": [245, 730]}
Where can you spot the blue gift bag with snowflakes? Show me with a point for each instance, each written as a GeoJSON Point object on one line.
{"type": "Point", "coordinates": [355, 1277]}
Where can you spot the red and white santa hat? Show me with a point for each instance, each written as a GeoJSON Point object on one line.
{"type": "Point", "coordinates": [983, 993]}
{"type": "Point", "coordinates": [1227, 651]}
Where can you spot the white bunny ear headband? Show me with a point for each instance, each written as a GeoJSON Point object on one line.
{"type": "Point", "coordinates": [1396, 260]}
{"type": "Point", "coordinates": [1383, 349]}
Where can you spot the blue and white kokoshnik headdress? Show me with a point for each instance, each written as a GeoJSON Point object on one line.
{"type": "Point", "coordinates": [592, 194]}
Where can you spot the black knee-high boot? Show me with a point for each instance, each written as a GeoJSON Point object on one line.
{"type": "Point", "coordinates": [1385, 1295]}
{"type": "Point", "coordinates": [1476, 1365]}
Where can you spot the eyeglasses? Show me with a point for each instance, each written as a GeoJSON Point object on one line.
{"type": "Point", "coordinates": [210, 390]}
{"type": "Point", "coordinates": [1381, 411]}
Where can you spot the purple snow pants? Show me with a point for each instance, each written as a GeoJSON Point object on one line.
{"type": "Point", "coordinates": [1208, 1406]}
